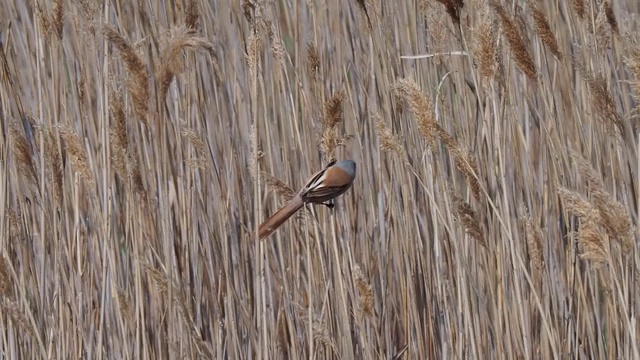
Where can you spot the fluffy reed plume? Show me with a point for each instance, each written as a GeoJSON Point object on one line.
{"type": "Point", "coordinates": [191, 15]}
{"type": "Point", "coordinates": [277, 46]}
{"type": "Point", "coordinates": [465, 161]}
{"type": "Point", "coordinates": [86, 18]}
{"type": "Point", "coordinates": [601, 99]}
{"type": "Point", "coordinates": [544, 30]}
{"type": "Point", "coordinates": [332, 117]}
{"type": "Point", "coordinates": [423, 111]}
{"type": "Point", "coordinates": [136, 179]}
{"type": "Point", "coordinates": [365, 291]}
{"type": "Point", "coordinates": [593, 243]}
{"type": "Point", "coordinates": [611, 16]}
{"type": "Point", "coordinates": [632, 61]}
{"type": "Point", "coordinates": [575, 203]}
{"type": "Point", "coordinates": [22, 152]}
{"type": "Point", "coordinates": [124, 301]}
{"type": "Point", "coordinates": [613, 215]}
{"type": "Point", "coordinates": [14, 312]}
{"type": "Point", "coordinates": [181, 38]}
{"type": "Point", "coordinates": [58, 18]}
{"type": "Point", "coordinates": [51, 23]}
{"type": "Point", "coordinates": [470, 220]}
{"type": "Point", "coordinates": [605, 26]}
{"type": "Point", "coordinates": [533, 235]}
{"type": "Point", "coordinates": [615, 219]}
{"type": "Point", "coordinates": [278, 186]}
{"type": "Point", "coordinates": [122, 156]}
{"type": "Point", "coordinates": [600, 30]}
{"type": "Point", "coordinates": [253, 53]}
{"type": "Point", "coordinates": [54, 159]}
{"type": "Point", "coordinates": [453, 8]}
{"type": "Point", "coordinates": [389, 141]}
{"type": "Point", "coordinates": [313, 60]}
{"type": "Point", "coordinates": [6, 281]}
{"type": "Point", "coordinates": [517, 46]}
{"type": "Point", "coordinates": [178, 299]}
{"type": "Point", "coordinates": [586, 171]}
{"type": "Point", "coordinates": [321, 334]}
{"type": "Point", "coordinates": [198, 144]}
{"type": "Point", "coordinates": [138, 83]}
{"type": "Point", "coordinates": [398, 103]}
{"type": "Point", "coordinates": [156, 276]}
{"type": "Point", "coordinates": [194, 139]}
{"type": "Point", "coordinates": [15, 230]}
{"type": "Point", "coordinates": [578, 7]}
{"type": "Point", "coordinates": [485, 45]}
{"type": "Point", "coordinates": [75, 150]}
{"type": "Point", "coordinates": [421, 108]}
{"type": "Point", "coordinates": [118, 138]}
{"type": "Point", "coordinates": [523, 26]}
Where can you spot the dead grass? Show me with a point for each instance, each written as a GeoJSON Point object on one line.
{"type": "Point", "coordinates": [494, 213]}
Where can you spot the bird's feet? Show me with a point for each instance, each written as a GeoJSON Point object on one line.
{"type": "Point", "coordinates": [329, 205]}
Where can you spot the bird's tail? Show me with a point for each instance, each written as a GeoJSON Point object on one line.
{"type": "Point", "coordinates": [274, 221]}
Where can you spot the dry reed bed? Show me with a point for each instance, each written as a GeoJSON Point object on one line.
{"type": "Point", "coordinates": [493, 215]}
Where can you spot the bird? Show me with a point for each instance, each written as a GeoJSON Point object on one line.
{"type": "Point", "coordinates": [327, 184]}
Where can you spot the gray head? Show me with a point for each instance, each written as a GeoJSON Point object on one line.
{"type": "Point", "coordinates": [349, 166]}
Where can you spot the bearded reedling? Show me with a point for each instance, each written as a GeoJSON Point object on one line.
{"type": "Point", "coordinates": [325, 185]}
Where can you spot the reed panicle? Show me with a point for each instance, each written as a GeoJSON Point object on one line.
{"type": "Point", "coordinates": [181, 38]}
{"type": "Point", "coordinates": [485, 45]}
{"type": "Point", "coordinates": [543, 29]}
{"type": "Point", "coordinates": [469, 219]}
{"type": "Point", "coordinates": [421, 109]}
{"type": "Point", "coordinates": [389, 141]}
{"type": "Point", "coordinates": [6, 282]}
{"type": "Point", "coordinates": [24, 159]}
{"type": "Point", "coordinates": [138, 83]}
{"type": "Point", "coordinates": [56, 169]}
{"type": "Point", "coordinates": [579, 8]}
{"type": "Point", "coordinates": [602, 100]}
{"type": "Point", "coordinates": [278, 186]}
{"type": "Point", "coordinates": [51, 23]}
{"type": "Point", "coordinates": [590, 237]}
{"type": "Point", "coordinates": [313, 61]}
{"type": "Point", "coordinates": [365, 290]}
{"type": "Point", "coordinates": [14, 312]}
{"type": "Point", "coordinates": [331, 119]}
{"type": "Point", "coordinates": [119, 139]}
{"type": "Point", "coordinates": [192, 16]}
{"type": "Point", "coordinates": [15, 233]}
{"type": "Point", "coordinates": [517, 45]}
{"type": "Point", "coordinates": [76, 152]}
{"type": "Point", "coordinates": [465, 161]}
{"type": "Point", "coordinates": [611, 16]}
{"type": "Point", "coordinates": [534, 241]}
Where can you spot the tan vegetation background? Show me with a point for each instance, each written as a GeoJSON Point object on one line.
{"type": "Point", "coordinates": [493, 215]}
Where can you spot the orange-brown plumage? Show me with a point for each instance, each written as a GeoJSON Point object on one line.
{"type": "Point", "coordinates": [323, 186]}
